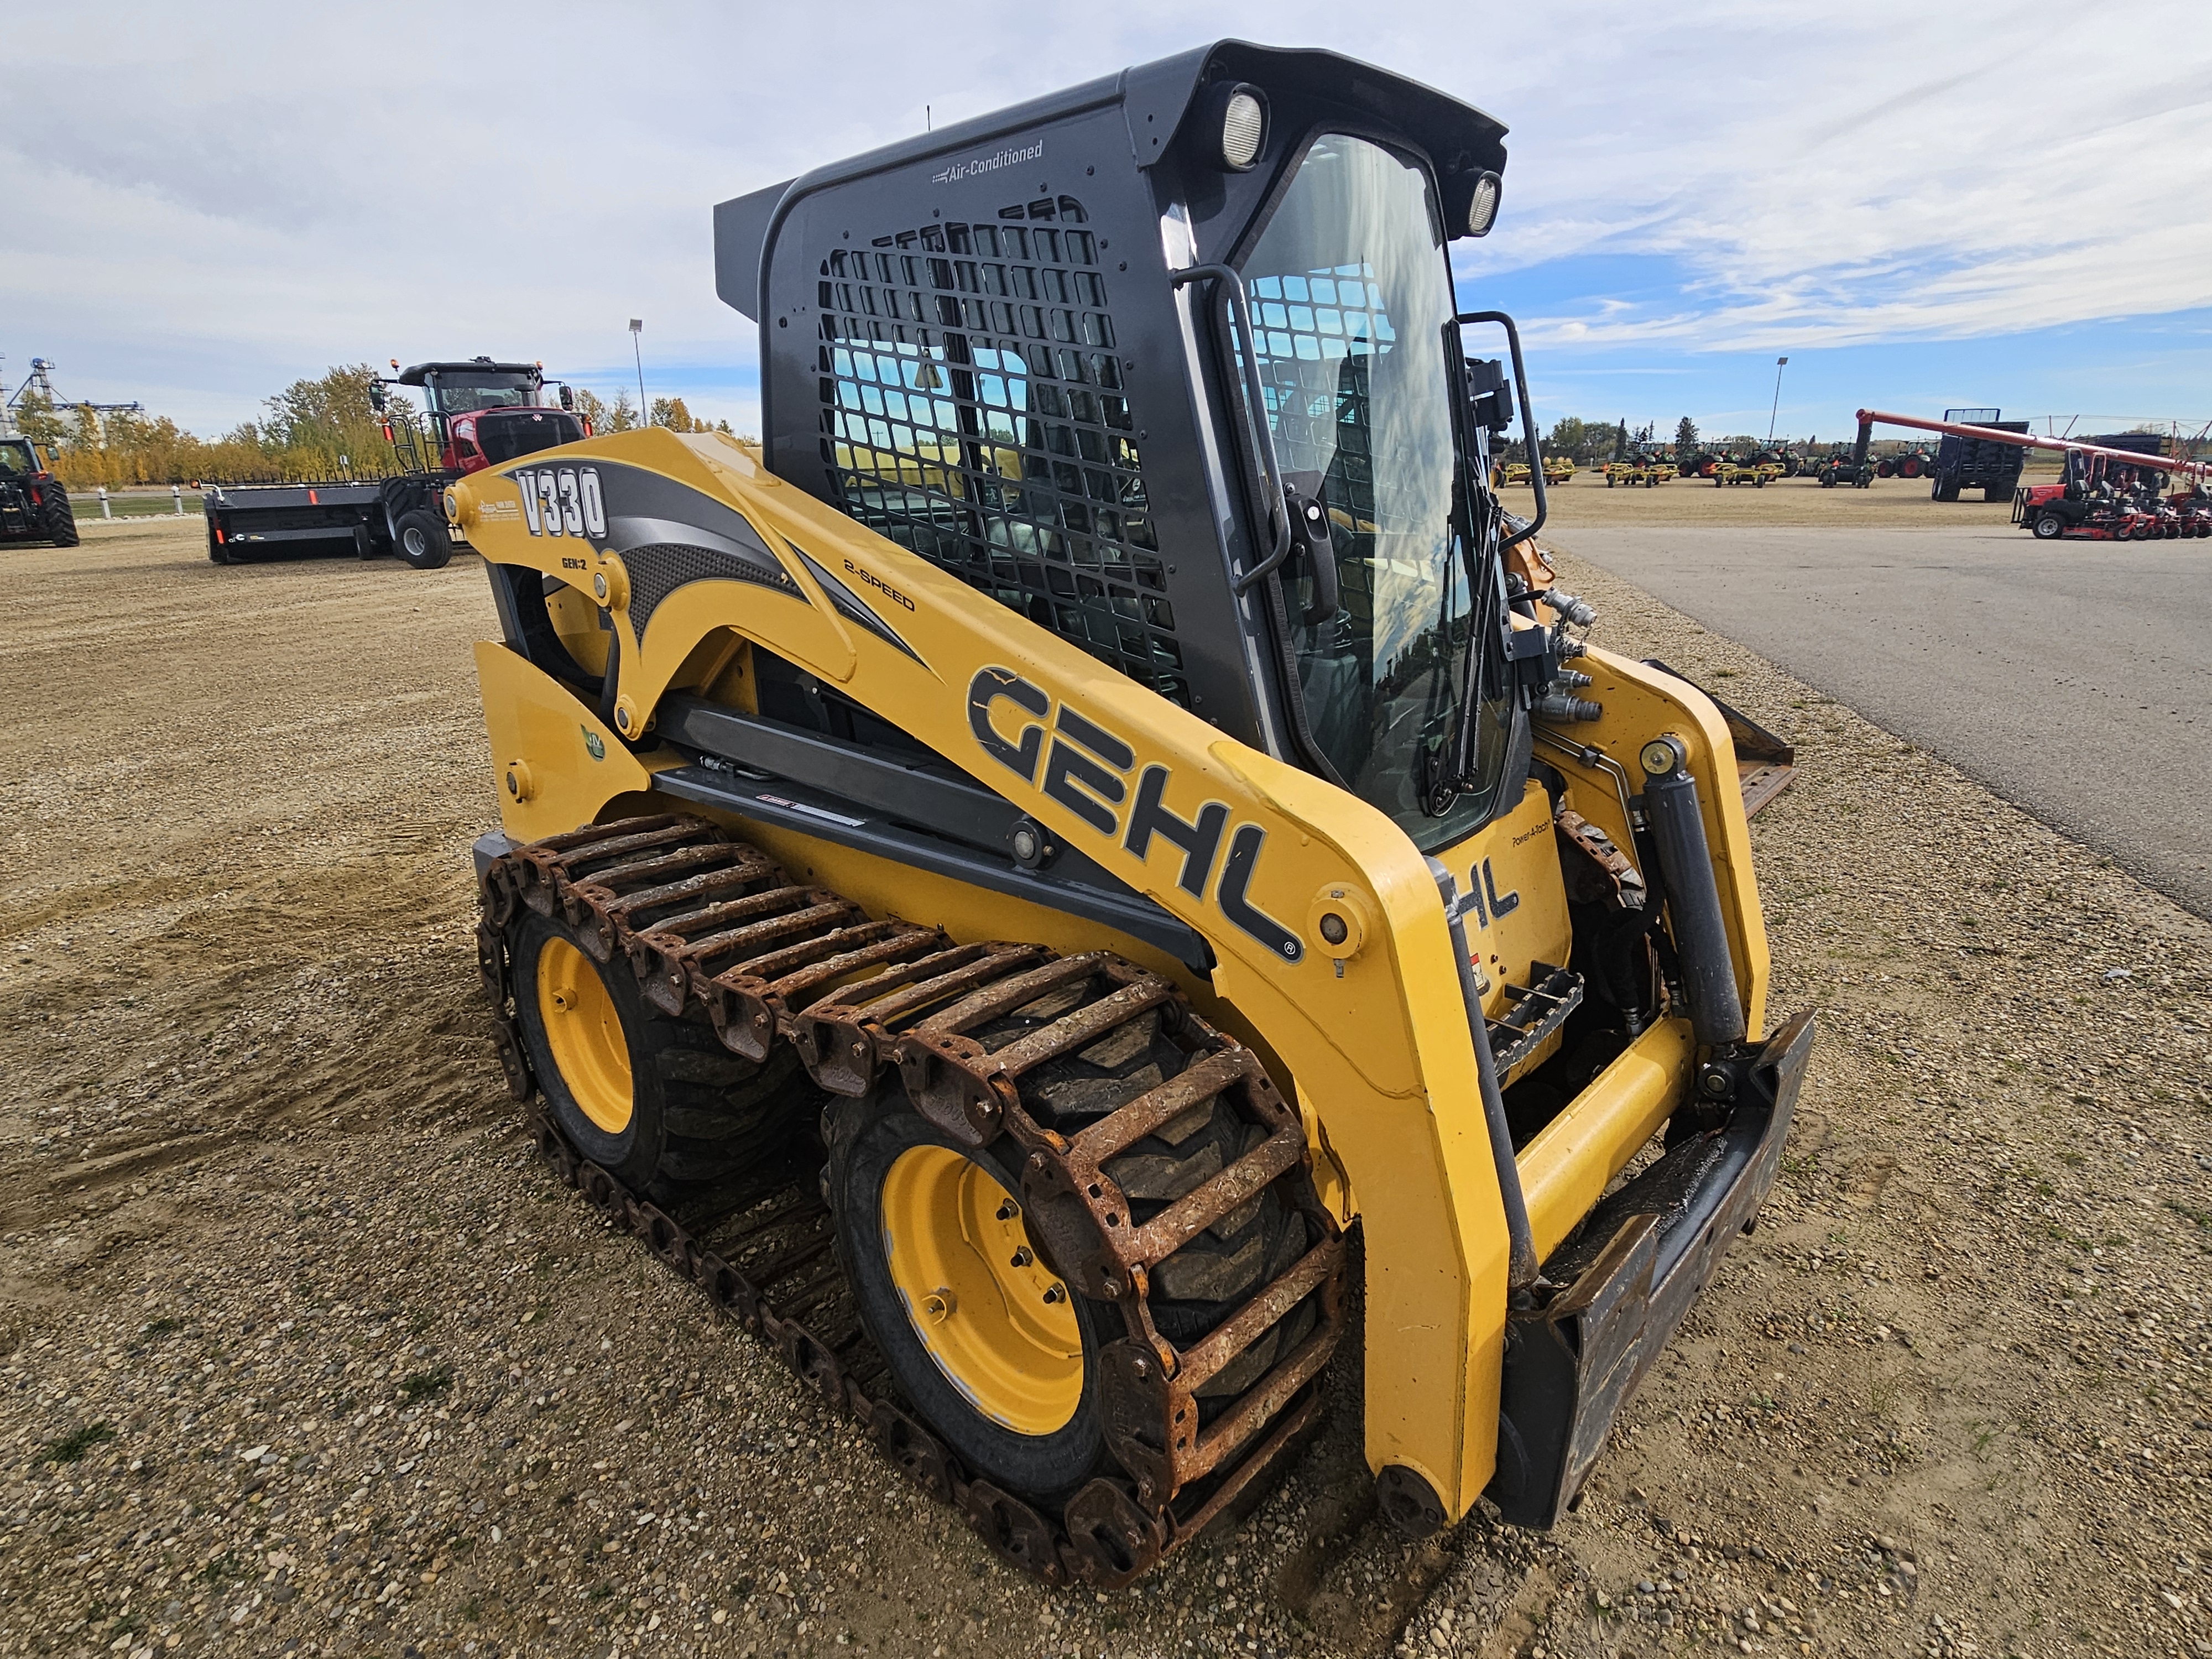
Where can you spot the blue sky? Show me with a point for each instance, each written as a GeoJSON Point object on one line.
{"type": "Point", "coordinates": [1887, 193]}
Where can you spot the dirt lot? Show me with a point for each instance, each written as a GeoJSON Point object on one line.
{"type": "Point", "coordinates": [301, 1352]}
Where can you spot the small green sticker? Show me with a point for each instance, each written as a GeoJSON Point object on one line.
{"type": "Point", "coordinates": [598, 750]}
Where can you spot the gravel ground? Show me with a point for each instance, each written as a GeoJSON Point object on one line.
{"type": "Point", "coordinates": [301, 1350]}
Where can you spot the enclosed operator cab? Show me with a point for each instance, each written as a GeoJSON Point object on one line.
{"type": "Point", "coordinates": [482, 413]}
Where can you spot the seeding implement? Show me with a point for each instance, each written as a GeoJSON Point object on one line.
{"type": "Point", "coordinates": [1002, 881]}
{"type": "Point", "coordinates": [2109, 489]}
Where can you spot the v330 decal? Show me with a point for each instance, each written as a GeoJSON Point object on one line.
{"type": "Point", "coordinates": [562, 501]}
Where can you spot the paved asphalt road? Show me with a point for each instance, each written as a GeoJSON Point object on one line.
{"type": "Point", "coordinates": [2073, 678]}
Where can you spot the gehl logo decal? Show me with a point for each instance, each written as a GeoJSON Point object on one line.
{"type": "Point", "coordinates": [562, 501]}
{"type": "Point", "coordinates": [1086, 768]}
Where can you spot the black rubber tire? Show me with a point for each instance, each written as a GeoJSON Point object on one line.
{"type": "Point", "coordinates": [419, 537]}
{"type": "Point", "coordinates": [60, 517]}
{"type": "Point", "coordinates": [1996, 492]}
{"type": "Point", "coordinates": [2049, 526]}
{"type": "Point", "coordinates": [364, 542]}
{"type": "Point", "coordinates": [700, 1116]}
{"type": "Point", "coordinates": [866, 1137]}
{"type": "Point", "coordinates": [1192, 1291]}
{"type": "Point", "coordinates": [1827, 480]}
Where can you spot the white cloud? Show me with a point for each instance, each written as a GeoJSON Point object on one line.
{"type": "Point", "coordinates": [205, 203]}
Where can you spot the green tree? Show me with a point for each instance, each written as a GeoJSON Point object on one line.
{"type": "Point", "coordinates": [622, 413]}
{"type": "Point", "coordinates": [591, 409]}
{"type": "Point", "coordinates": [1685, 437]}
{"type": "Point", "coordinates": [1569, 437]}
{"type": "Point", "coordinates": [671, 413]}
{"type": "Point", "coordinates": [36, 420]}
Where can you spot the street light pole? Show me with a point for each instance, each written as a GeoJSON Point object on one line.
{"type": "Point", "coordinates": [637, 327]}
{"type": "Point", "coordinates": [1773, 414]}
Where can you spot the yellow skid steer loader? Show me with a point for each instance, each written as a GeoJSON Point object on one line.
{"type": "Point", "coordinates": [1001, 878]}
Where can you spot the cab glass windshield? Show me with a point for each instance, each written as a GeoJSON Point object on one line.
{"type": "Point", "coordinates": [16, 456]}
{"type": "Point", "coordinates": [1351, 300]}
{"type": "Point", "coordinates": [461, 394]}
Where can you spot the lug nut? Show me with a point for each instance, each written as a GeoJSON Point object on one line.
{"type": "Point", "coordinates": [1022, 1258]}
{"type": "Point", "coordinates": [1008, 1211]}
{"type": "Point", "coordinates": [1057, 1293]}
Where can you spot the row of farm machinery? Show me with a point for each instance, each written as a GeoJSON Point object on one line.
{"type": "Point", "coordinates": [2118, 486]}
{"type": "Point", "coordinates": [2123, 487]}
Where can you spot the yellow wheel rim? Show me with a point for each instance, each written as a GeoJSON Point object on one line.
{"type": "Point", "coordinates": [585, 1033]}
{"type": "Point", "coordinates": [998, 1324]}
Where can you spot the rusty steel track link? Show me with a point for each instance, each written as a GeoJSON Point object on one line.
{"type": "Point", "coordinates": [708, 921]}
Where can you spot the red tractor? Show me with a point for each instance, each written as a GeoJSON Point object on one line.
{"type": "Point", "coordinates": [476, 414]}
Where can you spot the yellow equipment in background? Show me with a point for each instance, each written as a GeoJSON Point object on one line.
{"type": "Point", "coordinates": [1079, 802]}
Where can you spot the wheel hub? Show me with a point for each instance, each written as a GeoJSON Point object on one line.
{"type": "Point", "coordinates": [997, 1321]}
{"type": "Point", "coordinates": [585, 1034]}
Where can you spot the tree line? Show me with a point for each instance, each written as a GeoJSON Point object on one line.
{"type": "Point", "coordinates": [326, 428]}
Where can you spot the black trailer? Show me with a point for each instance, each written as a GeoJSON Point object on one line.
{"type": "Point", "coordinates": [477, 413]}
{"type": "Point", "coordinates": [1977, 463]}
{"type": "Point", "coordinates": [403, 515]}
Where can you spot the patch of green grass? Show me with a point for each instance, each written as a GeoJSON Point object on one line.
{"type": "Point", "coordinates": [2202, 1218]}
{"type": "Point", "coordinates": [75, 1443]}
{"type": "Point", "coordinates": [600, 1592]}
{"type": "Point", "coordinates": [162, 1327]}
{"type": "Point", "coordinates": [221, 1567]}
{"type": "Point", "coordinates": [423, 1385]}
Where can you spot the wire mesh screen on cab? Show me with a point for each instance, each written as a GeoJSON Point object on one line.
{"type": "Point", "coordinates": [973, 411]}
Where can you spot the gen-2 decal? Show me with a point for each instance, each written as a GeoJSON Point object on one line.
{"type": "Point", "coordinates": [562, 501]}
{"type": "Point", "coordinates": [1085, 769]}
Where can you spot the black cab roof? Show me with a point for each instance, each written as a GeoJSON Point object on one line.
{"type": "Point", "coordinates": [416, 375]}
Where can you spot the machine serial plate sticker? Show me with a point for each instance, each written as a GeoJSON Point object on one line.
{"type": "Point", "coordinates": [810, 811]}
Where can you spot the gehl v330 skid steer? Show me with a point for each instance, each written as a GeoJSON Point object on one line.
{"type": "Point", "coordinates": [1102, 797]}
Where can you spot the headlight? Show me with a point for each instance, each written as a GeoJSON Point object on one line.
{"type": "Point", "coordinates": [1243, 128]}
{"type": "Point", "coordinates": [1236, 117]}
{"type": "Point", "coordinates": [1482, 205]}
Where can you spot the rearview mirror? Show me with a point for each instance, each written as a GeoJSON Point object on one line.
{"type": "Point", "coordinates": [1489, 394]}
{"type": "Point", "coordinates": [568, 399]}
